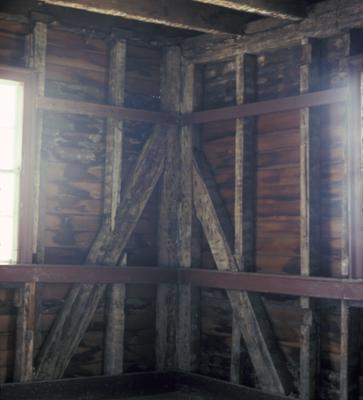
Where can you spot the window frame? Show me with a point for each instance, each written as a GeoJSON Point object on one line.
{"type": "Point", "coordinates": [354, 173]}
{"type": "Point", "coordinates": [27, 174]}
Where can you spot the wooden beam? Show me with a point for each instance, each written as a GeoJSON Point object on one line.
{"type": "Point", "coordinates": [266, 357]}
{"type": "Point", "coordinates": [349, 343]}
{"type": "Point", "coordinates": [104, 110]}
{"type": "Point", "coordinates": [245, 190]}
{"type": "Point", "coordinates": [292, 285]}
{"type": "Point", "coordinates": [25, 324]}
{"type": "Point", "coordinates": [82, 300]}
{"type": "Point", "coordinates": [316, 99]}
{"type": "Point", "coordinates": [351, 254]}
{"type": "Point", "coordinates": [354, 169]}
{"type": "Point", "coordinates": [292, 10]}
{"type": "Point", "coordinates": [166, 303]}
{"type": "Point", "coordinates": [213, 48]}
{"type": "Point", "coordinates": [29, 298]}
{"type": "Point", "coordinates": [36, 59]}
{"type": "Point", "coordinates": [188, 326]}
{"type": "Point", "coordinates": [309, 214]}
{"type": "Point", "coordinates": [115, 304]}
{"type": "Point", "coordinates": [184, 14]}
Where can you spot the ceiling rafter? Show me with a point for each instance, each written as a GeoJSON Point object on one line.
{"type": "Point", "coordinates": [184, 14]}
{"type": "Point", "coordinates": [293, 10]}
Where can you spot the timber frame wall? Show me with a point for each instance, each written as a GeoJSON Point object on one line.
{"type": "Point", "coordinates": [263, 119]}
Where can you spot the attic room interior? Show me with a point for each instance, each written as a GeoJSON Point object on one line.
{"type": "Point", "coordinates": [181, 199]}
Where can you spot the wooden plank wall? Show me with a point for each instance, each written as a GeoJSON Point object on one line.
{"type": "Point", "coordinates": [74, 151]}
{"type": "Point", "coordinates": [73, 147]}
{"type": "Point", "coordinates": [278, 206]}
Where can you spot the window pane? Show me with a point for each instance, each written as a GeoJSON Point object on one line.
{"type": "Point", "coordinates": [11, 110]}
{"type": "Point", "coordinates": [8, 194]}
{"type": "Point", "coordinates": [11, 124]}
{"type": "Point", "coordinates": [9, 102]}
{"type": "Point", "coordinates": [7, 240]}
{"type": "Point", "coordinates": [9, 159]}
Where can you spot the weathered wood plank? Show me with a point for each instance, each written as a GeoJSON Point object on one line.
{"type": "Point", "coordinates": [29, 308]}
{"type": "Point", "coordinates": [115, 314]}
{"type": "Point", "coordinates": [349, 356]}
{"type": "Point", "coordinates": [245, 190]}
{"type": "Point", "coordinates": [82, 300]}
{"type": "Point", "coordinates": [188, 325]}
{"type": "Point", "coordinates": [309, 214]}
{"type": "Point", "coordinates": [266, 357]}
{"type": "Point", "coordinates": [25, 321]}
{"type": "Point", "coordinates": [284, 9]}
{"type": "Point", "coordinates": [209, 47]}
{"type": "Point", "coordinates": [179, 14]}
{"type": "Point", "coordinates": [166, 308]}
{"type": "Point", "coordinates": [36, 59]}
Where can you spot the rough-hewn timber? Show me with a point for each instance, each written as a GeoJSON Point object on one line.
{"type": "Point", "coordinates": [179, 14]}
{"type": "Point", "coordinates": [284, 9]}
{"type": "Point", "coordinates": [29, 307]}
{"type": "Point", "coordinates": [245, 190]}
{"type": "Point", "coordinates": [188, 326]}
{"type": "Point", "coordinates": [309, 214]}
{"type": "Point", "coordinates": [82, 300]}
{"type": "Point", "coordinates": [166, 304]}
{"type": "Point", "coordinates": [323, 21]}
{"type": "Point", "coordinates": [268, 362]}
{"type": "Point", "coordinates": [115, 313]}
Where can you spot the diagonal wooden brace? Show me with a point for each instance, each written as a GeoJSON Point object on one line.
{"type": "Point", "coordinates": [82, 300]}
{"type": "Point", "coordinates": [266, 357]}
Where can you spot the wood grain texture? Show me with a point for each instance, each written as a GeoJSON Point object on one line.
{"type": "Point", "coordinates": [188, 324]}
{"type": "Point", "coordinates": [244, 190]}
{"type": "Point", "coordinates": [266, 358]}
{"type": "Point", "coordinates": [309, 214]}
{"type": "Point", "coordinates": [290, 10]}
{"type": "Point", "coordinates": [82, 300]}
{"type": "Point", "coordinates": [168, 215]}
{"type": "Point", "coordinates": [213, 48]}
{"type": "Point", "coordinates": [178, 14]}
{"type": "Point", "coordinates": [29, 311]}
{"type": "Point", "coordinates": [115, 309]}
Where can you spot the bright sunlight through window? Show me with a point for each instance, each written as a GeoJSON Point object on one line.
{"type": "Point", "coordinates": [11, 121]}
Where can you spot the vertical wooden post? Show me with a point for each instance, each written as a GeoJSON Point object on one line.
{"type": "Point", "coordinates": [28, 307]}
{"type": "Point", "coordinates": [352, 230]}
{"type": "Point", "coordinates": [166, 308]}
{"type": "Point", "coordinates": [309, 215]}
{"type": "Point", "coordinates": [245, 189]}
{"type": "Point", "coordinates": [115, 306]}
{"type": "Point", "coordinates": [189, 232]}
{"type": "Point", "coordinates": [36, 51]}
{"type": "Point", "coordinates": [354, 171]}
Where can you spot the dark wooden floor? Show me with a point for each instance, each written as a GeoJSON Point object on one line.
{"type": "Point", "coordinates": [136, 386]}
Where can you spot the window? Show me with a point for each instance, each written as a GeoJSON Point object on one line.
{"type": "Point", "coordinates": [17, 142]}
{"type": "Point", "coordinates": [11, 123]}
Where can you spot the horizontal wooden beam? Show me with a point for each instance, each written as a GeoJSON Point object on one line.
{"type": "Point", "coordinates": [183, 14]}
{"type": "Point", "coordinates": [294, 285]}
{"type": "Point", "coordinates": [315, 99]}
{"type": "Point", "coordinates": [293, 10]}
{"type": "Point", "coordinates": [22, 273]}
{"type": "Point", "coordinates": [317, 287]}
{"type": "Point", "coordinates": [104, 110]}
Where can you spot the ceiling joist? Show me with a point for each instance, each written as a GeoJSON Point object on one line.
{"type": "Point", "coordinates": [184, 14]}
{"type": "Point", "coordinates": [292, 10]}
